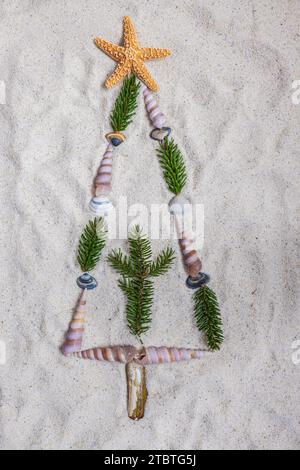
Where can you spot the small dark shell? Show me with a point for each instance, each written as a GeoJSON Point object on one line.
{"type": "Point", "coordinates": [115, 141]}
{"type": "Point", "coordinates": [198, 281]}
{"type": "Point", "coordinates": [86, 281]}
{"type": "Point", "coordinates": [160, 134]}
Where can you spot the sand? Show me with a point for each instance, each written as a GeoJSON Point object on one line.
{"type": "Point", "coordinates": [227, 91]}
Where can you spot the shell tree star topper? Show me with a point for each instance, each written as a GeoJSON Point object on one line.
{"type": "Point", "coordinates": [130, 57]}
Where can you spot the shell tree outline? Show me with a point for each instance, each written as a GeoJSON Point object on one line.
{"type": "Point", "coordinates": [138, 269]}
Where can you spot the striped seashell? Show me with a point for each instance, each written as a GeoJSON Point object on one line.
{"type": "Point", "coordinates": [115, 138]}
{"type": "Point", "coordinates": [161, 355]}
{"type": "Point", "coordinates": [101, 206]}
{"type": "Point", "coordinates": [104, 173]}
{"type": "Point", "coordinates": [123, 354]}
{"type": "Point", "coordinates": [86, 281]}
{"type": "Point", "coordinates": [156, 116]}
{"type": "Point", "coordinates": [181, 208]}
{"type": "Point", "coordinates": [75, 333]}
{"type": "Point", "coordinates": [191, 259]}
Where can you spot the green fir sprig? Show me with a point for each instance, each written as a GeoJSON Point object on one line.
{"type": "Point", "coordinates": [208, 316]}
{"type": "Point", "coordinates": [125, 105]}
{"type": "Point", "coordinates": [173, 165]}
{"type": "Point", "coordinates": [91, 244]}
{"type": "Point", "coordinates": [136, 270]}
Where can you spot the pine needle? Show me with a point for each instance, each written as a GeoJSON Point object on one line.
{"type": "Point", "coordinates": [125, 105]}
{"type": "Point", "coordinates": [91, 244]}
{"type": "Point", "coordinates": [208, 316]}
{"type": "Point", "coordinates": [173, 165]}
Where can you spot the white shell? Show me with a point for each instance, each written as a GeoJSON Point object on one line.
{"type": "Point", "coordinates": [101, 206]}
{"type": "Point", "coordinates": [179, 205]}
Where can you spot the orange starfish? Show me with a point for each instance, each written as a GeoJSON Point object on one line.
{"type": "Point", "coordinates": [131, 57]}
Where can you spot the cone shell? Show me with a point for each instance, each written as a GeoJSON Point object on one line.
{"type": "Point", "coordinates": [155, 114]}
{"type": "Point", "coordinates": [191, 259]}
{"type": "Point", "coordinates": [161, 355]}
{"type": "Point", "coordinates": [123, 354]}
{"type": "Point", "coordinates": [104, 174]}
{"type": "Point", "coordinates": [115, 138]}
{"type": "Point", "coordinates": [75, 333]}
{"type": "Point", "coordinates": [151, 355]}
{"type": "Point", "coordinates": [101, 206]}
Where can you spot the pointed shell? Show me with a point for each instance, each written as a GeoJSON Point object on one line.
{"type": "Point", "coordinates": [123, 354]}
{"type": "Point", "coordinates": [74, 336]}
{"type": "Point", "coordinates": [160, 134]}
{"type": "Point", "coordinates": [161, 355]}
{"type": "Point", "coordinates": [101, 206]}
{"type": "Point", "coordinates": [86, 281]}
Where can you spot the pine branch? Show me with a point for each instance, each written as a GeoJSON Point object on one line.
{"type": "Point", "coordinates": [125, 105]}
{"type": "Point", "coordinates": [173, 165]}
{"type": "Point", "coordinates": [162, 263]}
{"type": "Point", "coordinates": [91, 244]}
{"type": "Point", "coordinates": [135, 283]}
{"type": "Point", "coordinates": [208, 316]}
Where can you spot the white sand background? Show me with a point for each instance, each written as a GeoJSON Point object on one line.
{"type": "Point", "coordinates": [227, 91]}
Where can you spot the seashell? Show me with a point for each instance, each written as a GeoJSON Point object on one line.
{"type": "Point", "coordinates": [123, 354]}
{"type": "Point", "coordinates": [160, 134]}
{"type": "Point", "coordinates": [104, 173]}
{"type": "Point", "coordinates": [156, 116]}
{"type": "Point", "coordinates": [161, 355]}
{"type": "Point", "coordinates": [137, 390]}
{"type": "Point", "coordinates": [191, 259]}
{"type": "Point", "coordinates": [198, 281]}
{"type": "Point", "coordinates": [86, 281]}
{"type": "Point", "coordinates": [115, 138]}
{"type": "Point", "coordinates": [75, 333]}
{"type": "Point", "coordinates": [179, 205]}
{"type": "Point", "coordinates": [101, 206]}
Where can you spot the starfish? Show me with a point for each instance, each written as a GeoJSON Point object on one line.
{"type": "Point", "coordinates": [131, 57]}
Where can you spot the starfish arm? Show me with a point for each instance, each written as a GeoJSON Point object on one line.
{"type": "Point", "coordinates": [130, 36]}
{"type": "Point", "coordinates": [112, 50]}
{"type": "Point", "coordinates": [121, 71]}
{"type": "Point", "coordinates": [144, 75]}
{"type": "Point", "coordinates": [151, 53]}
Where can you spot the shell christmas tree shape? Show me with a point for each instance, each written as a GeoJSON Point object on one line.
{"type": "Point", "coordinates": [138, 271]}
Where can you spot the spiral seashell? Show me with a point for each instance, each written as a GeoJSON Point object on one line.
{"type": "Point", "coordinates": [160, 134]}
{"type": "Point", "coordinates": [86, 281]}
{"type": "Point", "coordinates": [180, 207]}
{"type": "Point", "coordinates": [75, 333]}
{"type": "Point", "coordinates": [101, 206]}
{"type": "Point", "coordinates": [104, 174]}
{"type": "Point", "coordinates": [200, 280]}
{"type": "Point", "coordinates": [156, 116]}
{"type": "Point", "coordinates": [161, 355]}
{"type": "Point", "coordinates": [191, 259]}
{"type": "Point", "coordinates": [115, 138]}
{"type": "Point", "coordinates": [123, 354]}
